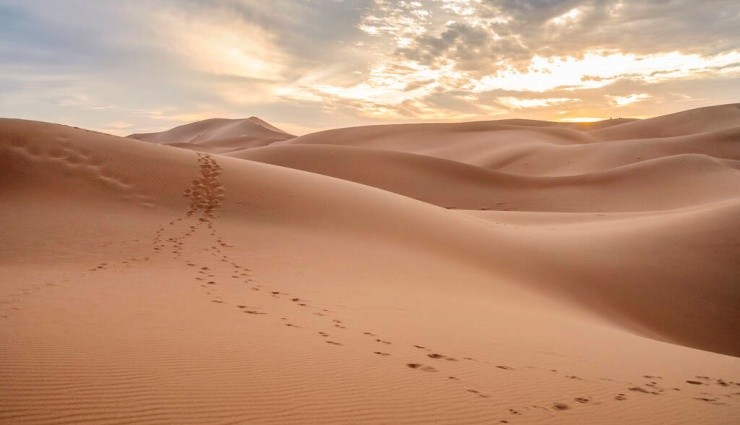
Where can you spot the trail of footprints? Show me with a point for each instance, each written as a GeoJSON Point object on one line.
{"type": "Point", "coordinates": [60, 152]}
{"type": "Point", "coordinates": [206, 195]}
{"type": "Point", "coordinates": [434, 362]}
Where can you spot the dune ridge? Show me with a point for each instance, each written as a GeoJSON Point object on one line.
{"type": "Point", "coordinates": [457, 185]}
{"type": "Point", "coordinates": [371, 275]}
{"type": "Point", "coordinates": [218, 134]}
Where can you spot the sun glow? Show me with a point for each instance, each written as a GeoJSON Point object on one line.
{"type": "Point", "coordinates": [388, 85]}
{"type": "Point", "coordinates": [535, 103]}
{"type": "Point", "coordinates": [223, 46]}
{"type": "Point", "coordinates": [629, 99]}
{"type": "Point", "coordinates": [598, 69]}
{"type": "Point", "coordinates": [581, 119]}
{"type": "Point", "coordinates": [566, 18]}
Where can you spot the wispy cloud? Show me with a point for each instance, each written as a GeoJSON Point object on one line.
{"type": "Point", "coordinates": [219, 43]}
{"type": "Point", "coordinates": [629, 99]}
{"type": "Point", "coordinates": [517, 103]}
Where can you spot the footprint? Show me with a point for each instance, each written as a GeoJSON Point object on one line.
{"type": "Point", "coordinates": [442, 357]}
{"type": "Point", "coordinates": [334, 343]}
{"type": "Point", "coordinates": [421, 367]}
{"type": "Point", "coordinates": [380, 353]}
{"type": "Point", "coordinates": [560, 406]}
{"type": "Point", "coordinates": [706, 399]}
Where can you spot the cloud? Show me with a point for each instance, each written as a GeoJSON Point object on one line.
{"type": "Point", "coordinates": [421, 49]}
{"type": "Point", "coordinates": [518, 103]}
{"type": "Point", "coordinates": [218, 43]}
{"type": "Point", "coordinates": [599, 69]}
{"type": "Point", "coordinates": [629, 99]}
{"type": "Point", "coordinates": [568, 18]}
{"type": "Point", "coordinates": [312, 63]}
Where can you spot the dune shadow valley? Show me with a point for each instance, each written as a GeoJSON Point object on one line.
{"type": "Point", "coordinates": [488, 272]}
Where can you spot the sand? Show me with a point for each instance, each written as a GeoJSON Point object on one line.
{"type": "Point", "coordinates": [475, 273]}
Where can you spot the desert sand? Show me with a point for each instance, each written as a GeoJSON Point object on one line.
{"type": "Point", "coordinates": [512, 271]}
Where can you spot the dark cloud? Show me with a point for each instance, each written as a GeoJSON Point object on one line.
{"type": "Point", "coordinates": [472, 48]}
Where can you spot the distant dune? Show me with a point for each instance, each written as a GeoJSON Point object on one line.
{"type": "Point", "coordinates": [695, 121]}
{"type": "Point", "coordinates": [218, 135]}
{"type": "Point", "coordinates": [511, 271]}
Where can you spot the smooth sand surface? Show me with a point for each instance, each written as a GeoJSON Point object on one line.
{"type": "Point", "coordinates": [478, 273]}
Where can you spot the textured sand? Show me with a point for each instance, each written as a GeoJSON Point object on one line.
{"type": "Point", "coordinates": [478, 273]}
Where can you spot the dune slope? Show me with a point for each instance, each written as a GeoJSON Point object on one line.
{"type": "Point", "coordinates": [694, 121]}
{"type": "Point", "coordinates": [657, 184]}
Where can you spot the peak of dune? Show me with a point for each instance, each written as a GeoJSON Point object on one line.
{"type": "Point", "coordinates": [218, 134]}
{"type": "Point", "coordinates": [265, 124]}
{"type": "Point", "coordinates": [486, 272]}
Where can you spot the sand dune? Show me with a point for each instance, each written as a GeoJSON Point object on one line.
{"type": "Point", "coordinates": [540, 150]}
{"type": "Point", "coordinates": [587, 126]}
{"type": "Point", "coordinates": [695, 121]}
{"type": "Point", "coordinates": [476, 143]}
{"type": "Point", "coordinates": [218, 135]}
{"type": "Point", "coordinates": [297, 281]}
{"type": "Point", "coordinates": [663, 183]}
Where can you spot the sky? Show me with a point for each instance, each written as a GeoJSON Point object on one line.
{"type": "Point", "coordinates": [135, 66]}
